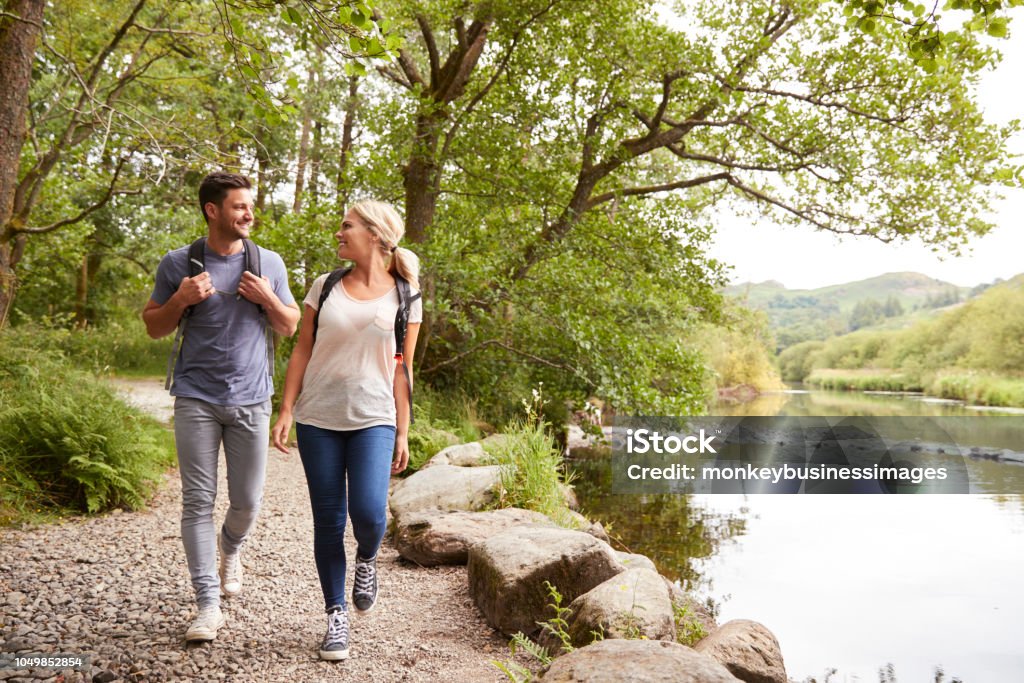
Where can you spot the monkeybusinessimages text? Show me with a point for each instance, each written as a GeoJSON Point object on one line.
{"type": "Point", "coordinates": [645, 442]}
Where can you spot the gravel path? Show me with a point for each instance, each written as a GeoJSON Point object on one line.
{"type": "Point", "coordinates": [116, 588]}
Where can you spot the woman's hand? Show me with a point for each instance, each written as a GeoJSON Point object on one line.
{"type": "Point", "coordinates": [401, 459]}
{"type": "Point", "coordinates": [279, 432]}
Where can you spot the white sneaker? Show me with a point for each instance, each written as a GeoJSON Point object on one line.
{"type": "Point", "coordinates": [205, 626]}
{"type": "Point", "coordinates": [230, 570]}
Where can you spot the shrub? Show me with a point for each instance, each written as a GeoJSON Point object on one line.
{"type": "Point", "coordinates": [67, 441]}
{"type": "Point", "coordinates": [424, 442]}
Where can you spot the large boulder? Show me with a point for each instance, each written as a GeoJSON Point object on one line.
{"type": "Point", "coordinates": [637, 661]}
{"type": "Point", "coordinates": [633, 604]}
{"type": "Point", "coordinates": [748, 650]}
{"type": "Point", "coordinates": [434, 537]}
{"type": "Point", "coordinates": [495, 441]}
{"type": "Point", "coordinates": [581, 523]}
{"type": "Point", "coordinates": [459, 455]}
{"type": "Point", "coordinates": [636, 561]}
{"type": "Point", "coordinates": [445, 487]}
{"type": "Point", "coordinates": [508, 570]}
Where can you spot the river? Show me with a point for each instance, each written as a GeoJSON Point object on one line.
{"type": "Point", "coordinates": [850, 582]}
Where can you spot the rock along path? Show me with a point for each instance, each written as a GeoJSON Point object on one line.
{"type": "Point", "coordinates": [116, 588]}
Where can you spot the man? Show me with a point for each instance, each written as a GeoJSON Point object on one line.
{"type": "Point", "coordinates": [221, 382]}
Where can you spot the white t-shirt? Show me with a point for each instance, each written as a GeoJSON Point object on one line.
{"type": "Point", "coordinates": [349, 382]}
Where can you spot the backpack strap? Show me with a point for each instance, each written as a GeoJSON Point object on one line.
{"type": "Point", "coordinates": [252, 264]}
{"type": "Point", "coordinates": [196, 265]}
{"type": "Point", "coordinates": [405, 300]}
{"type": "Point", "coordinates": [332, 279]}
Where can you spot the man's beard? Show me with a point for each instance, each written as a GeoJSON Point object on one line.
{"type": "Point", "coordinates": [235, 231]}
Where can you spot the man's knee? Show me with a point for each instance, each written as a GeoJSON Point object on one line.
{"type": "Point", "coordinates": [248, 508]}
{"type": "Point", "coordinates": [197, 503]}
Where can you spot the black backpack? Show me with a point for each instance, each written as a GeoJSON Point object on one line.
{"type": "Point", "coordinates": [196, 265]}
{"type": "Point", "coordinates": [405, 300]}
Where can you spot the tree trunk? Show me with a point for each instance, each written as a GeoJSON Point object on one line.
{"type": "Point", "coordinates": [307, 118]}
{"type": "Point", "coordinates": [82, 294]}
{"type": "Point", "coordinates": [422, 177]}
{"type": "Point", "coordinates": [315, 161]}
{"type": "Point", "coordinates": [347, 139]}
{"type": "Point", "coordinates": [263, 171]}
{"type": "Point", "coordinates": [18, 37]}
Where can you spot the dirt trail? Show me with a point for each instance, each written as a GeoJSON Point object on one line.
{"type": "Point", "coordinates": [116, 588]}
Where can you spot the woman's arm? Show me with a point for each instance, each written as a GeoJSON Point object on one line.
{"type": "Point", "coordinates": [293, 380]}
{"type": "Point", "coordinates": [402, 406]}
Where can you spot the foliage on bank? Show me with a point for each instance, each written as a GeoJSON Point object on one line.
{"type": "Point", "coordinates": [67, 442]}
{"type": "Point", "coordinates": [739, 350]}
{"type": "Point", "coordinates": [974, 353]}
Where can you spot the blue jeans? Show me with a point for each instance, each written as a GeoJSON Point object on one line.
{"type": "Point", "coordinates": [360, 459]}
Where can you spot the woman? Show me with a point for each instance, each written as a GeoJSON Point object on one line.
{"type": "Point", "coordinates": [352, 415]}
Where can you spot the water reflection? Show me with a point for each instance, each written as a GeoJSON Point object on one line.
{"type": "Point", "coordinates": [801, 402]}
{"type": "Point", "coordinates": [853, 582]}
{"type": "Point", "coordinates": [668, 528]}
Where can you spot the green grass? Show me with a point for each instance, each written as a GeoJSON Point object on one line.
{"type": "Point", "coordinates": [532, 472]}
{"type": "Point", "coordinates": [870, 379]}
{"type": "Point", "coordinates": [979, 389]}
{"type": "Point", "coordinates": [975, 388]}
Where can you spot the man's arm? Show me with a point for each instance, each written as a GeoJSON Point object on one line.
{"type": "Point", "coordinates": [284, 319]}
{"type": "Point", "coordinates": [162, 319]}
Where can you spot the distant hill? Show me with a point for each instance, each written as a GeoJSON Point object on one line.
{"type": "Point", "coordinates": [889, 300]}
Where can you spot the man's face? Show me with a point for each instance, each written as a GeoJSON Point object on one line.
{"type": "Point", "coordinates": [233, 218]}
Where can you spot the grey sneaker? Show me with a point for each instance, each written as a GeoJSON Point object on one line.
{"type": "Point", "coordinates": [230, 570]}
{"type": "Point", "coordinates": [335, 644]}
{"type": "Point", "coordinates": [364, 587]}
{"type": "Point", "coordinates": [205, 626]}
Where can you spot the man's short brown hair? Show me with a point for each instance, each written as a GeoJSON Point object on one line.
{"type": "Point", "coordinates": [216, 186]}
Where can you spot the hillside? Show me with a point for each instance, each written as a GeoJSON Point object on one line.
{"type": "Point", "coordinates": [973, 351]}
{"type": "Point", "coordinates": [889, 300]}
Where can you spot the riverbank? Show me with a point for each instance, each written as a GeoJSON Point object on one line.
{"type": "Point", "coordinates": [116, 588]}
{"type": "Point", "coordinates": [972, 388]}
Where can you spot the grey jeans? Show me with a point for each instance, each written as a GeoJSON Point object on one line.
{"type": "Point", "coordinates": [199, 429]}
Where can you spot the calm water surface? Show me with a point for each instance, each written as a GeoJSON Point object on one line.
{"type": "Point", "coordinates": [852, 582]}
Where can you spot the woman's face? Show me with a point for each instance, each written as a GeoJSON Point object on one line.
{"type": "Point", "coordinates": [355, 240]}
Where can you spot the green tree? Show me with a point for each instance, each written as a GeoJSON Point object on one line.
{"type": "Point", "coordinates": [543, 145]}
{"type": "Point", "coordinates": [865, 313]}
{"type": "Point", "coordinates": [892, 307]}
{"type": "Point", "coordinates": [130, 95]}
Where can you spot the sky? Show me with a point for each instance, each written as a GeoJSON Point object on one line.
{"type": "Point", "coordinates": [801, 258]}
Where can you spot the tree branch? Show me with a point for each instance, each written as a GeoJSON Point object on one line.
{"type": "Point", "coordinates": [394, 75]}
{"type": "Point", "coordinates": [85, 212]}
{"type": "Point", "coordinates": [21, 19]}
{"type": "Point", "coordinates": [819, 102]}
{"type": "Point", "coordinates": [408, 65]}
{"type": "Point", "coordinates": [802, 213]}
{"type": "Point", "coordinates": [651, 189]}
{"type": "Point", "coordinates": [503, 345]}
{"type": "Point", "coordinates": [428, 39]}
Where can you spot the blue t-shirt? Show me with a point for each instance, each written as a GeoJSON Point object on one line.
{"type": "Point", "coordinates": [224, 350]}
